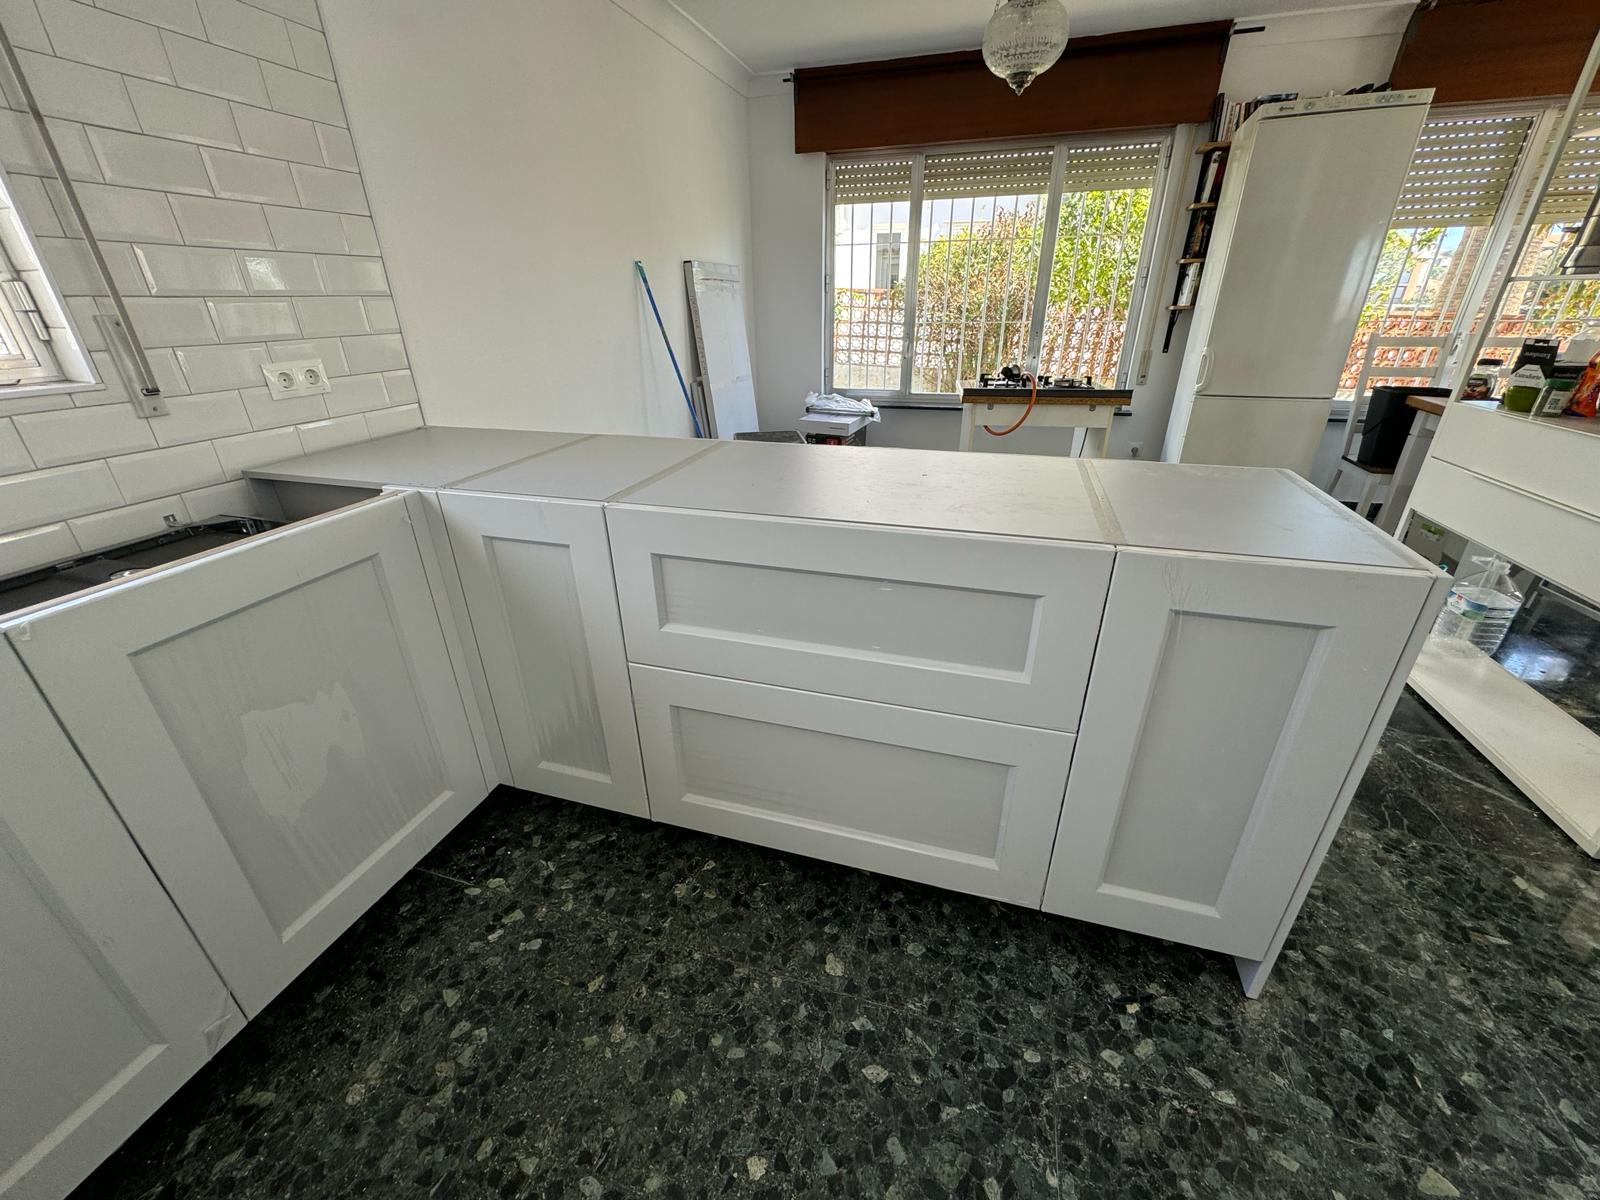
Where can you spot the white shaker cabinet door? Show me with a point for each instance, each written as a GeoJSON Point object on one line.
{"type": "Point", "coordinates": [537, 579]}
{"type": "Point", "coordinates": [279, 725]}
{"type": "Point", "coordinates": [107, 1003]}
{"type": "Point", "coordinates": [1228, 702]}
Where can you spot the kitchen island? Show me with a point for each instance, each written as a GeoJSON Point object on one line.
{"type": "Point", "coordinates": [1137, 694]}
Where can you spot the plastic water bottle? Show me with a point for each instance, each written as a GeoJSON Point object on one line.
{"type": "Point", "coordinates": [1480, 607]}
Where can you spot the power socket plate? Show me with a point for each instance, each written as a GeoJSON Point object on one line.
{"type": "Point", "coordinates": [303, 377]}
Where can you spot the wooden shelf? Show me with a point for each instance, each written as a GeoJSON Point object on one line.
{"type": "Point", "coordinates": [1199, 204]}
{"type": "Point", "coordinates": [1208, 147]}
{"type": "Point", "coordinates": [1179, 307]}
{"type": "Point", "coordinates": [1191, 260]}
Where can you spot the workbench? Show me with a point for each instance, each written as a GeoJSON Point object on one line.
{"type": "Point", "coordinates": [1055, 408]}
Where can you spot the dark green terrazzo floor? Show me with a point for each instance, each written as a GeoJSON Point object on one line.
{"type": "Point", "coordinates": [563, 1002]}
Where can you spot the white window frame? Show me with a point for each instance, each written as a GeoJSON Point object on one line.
{"type": "Point", "coordinates": [1138, 322]}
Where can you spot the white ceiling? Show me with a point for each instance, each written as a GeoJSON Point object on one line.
{"type": "Point", "coordinates": [774, 35]}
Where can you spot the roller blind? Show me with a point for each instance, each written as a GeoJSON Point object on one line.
{"type": "Point", "coordinates": [1577, 176]}
{"type": "Point", "coordinates": [866, 182]}
{"type": "Point", "coordinates": [1111, 167]}
{"type": "Point", "coordinates": [1460, 170]}
{"type": "Point", "coordinates": [987, 173]}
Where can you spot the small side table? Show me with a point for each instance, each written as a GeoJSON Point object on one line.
{"type": "Point", "coordinates": [1056, 408]}
{"type": "Point", "coordinates": [1406, 468]}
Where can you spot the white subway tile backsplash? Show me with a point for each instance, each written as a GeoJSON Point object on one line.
{"type": "Point", "coordinates": [179, 113]}
{"type": "Point", "coordinates": [277, 135]}
{"type": "Point", "coordinates": [41, 497]}
{"type": "Point", "coordinates": [247, 177]}
{"type": "Point", "coordinates": [200, 418]}
{"type": "Point", "coordinates": [23, 26]}
{"type": "Point", "coordinates": [68, 89]}
{"type": "Point", "coordinates": [384, 421]}
{"type": "Point", "coordinates": [381, 315]}
{"type": "Point", "coordinates": [306, 229]}
{"type": "Point", "coordinates": [73, 272]}
{"type": "Point", "coordinates": [326, 349]}
{"type": "Point", "coordinates": [164, 322]}
{"type": "Point", "coordinates": [374, 352]}
{"type": "Point", "coordinates": [353, 276]}
{"type": "Point", "coordinates": [79, 434]}
{"type": "Point", "coordinates": [246, 29]}
{"type": "Point", "coordinates": [127, 214]}
{"type": "Point", "coordinates": [338, 431]}
{"type": "Point", "coordinates": [324, 316]}
{"type": "Point", "coordinates": [34, 200]}
{"type": "Point", "coordinates": [254, 320]}
{"type": "Point", "coordinates": [222, 223]}
{"type": "Point", "coordinates": [14, 455]}
{"type": "Point", "coordinates": [356, 393]}
{"type": "Point", "coordinates": [181, 15]}
{"type": "Point", "coordinates": [90, 35]}
{"type": "Point", "coordinates": [293, 274]}
{"type": "Point", "coordinates": [302, 11]}
{"type": "Point", "coordinates": [236, 498]}
{"type": "Point", "coordinates": [150, 162]}
{"type": "Point", "coordinates": [169, 376]}
{"type": "Point", "coordinates": [238, 454]}
{"type": "Point", "coordinates": [311, 51]}
{"type": "Point", "coordinates": [218, 368]}
{"type": "Point", "coordinates": [22, 150]}
{"type": "Point", "coordinates": [190, 271]}
{"type": "Point", "coordinates": [337, 148]}
{"type": "Point", "coordinates": [303, 95]}
{"type": "Point", "coordinates": [112, 390]}
{"type": "Point", "coordinates": [268, 411]}
{"type": "Point", "coordinates": [165, 471]}
{"type": "Point", "coordinates": [35, 548]}
{"type": "Point", "coordinates": [214, 69]}
{"type": "Point", "coordinates": [128, 524]}
{"type": "Point", "coordinates": [360, 234]}
{"type": "Point", "coordinates": [401, 387]}
{"type": "Point", "coordinates": [84, 309]}
{"type": "Point", "coordinates": [325, 188]}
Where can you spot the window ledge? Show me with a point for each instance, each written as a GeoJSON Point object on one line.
{"type": "Point", "coordinates": [32, 391]}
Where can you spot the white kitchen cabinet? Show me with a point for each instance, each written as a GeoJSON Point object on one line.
{"type": "Point", "coordinates": [1229, 703]}
{"type": "Point", "coordinates": [536, 576]}
{"type": "Point", "coordinates": [994, 627]}
{"type": "Point", "coordinates": [107, 1003]}
{"type": "Point", "coordinates": [951, 801]}
{"type": "Point", "coordinates": [279, 724]}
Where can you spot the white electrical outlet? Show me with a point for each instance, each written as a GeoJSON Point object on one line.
{"type": "Point", "coordinates": [302, 378]}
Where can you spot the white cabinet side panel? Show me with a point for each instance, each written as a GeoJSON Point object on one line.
{"type": "Point", "coordinates": [1228, 700]}
{"type": "Point", "coordinates": [279, 724]}
{"type": "Point", "coordinates": [107, 1003]}
{"type": "Point", "coordinates": [537, 578]}
{"type": "Point", "coordinates": [950, 801]}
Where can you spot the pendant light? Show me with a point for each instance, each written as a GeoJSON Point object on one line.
{"type": "Point", "coordinates": [1023, 39]}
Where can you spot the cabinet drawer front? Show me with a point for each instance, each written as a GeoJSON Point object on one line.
{"type": "Point", "coordinates": [950, 801]}
{"type": "Point", "coordinates": [537, 578]}
{"type": "Point", "coordinates": [1000, 628]}
{"type": "Point", "coordinates": [1229, 702]}
{"type": "Point", "coordinates": [279, 725]}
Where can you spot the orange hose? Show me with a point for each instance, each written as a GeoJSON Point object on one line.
{"type": "Point", "coordinates": [1033, 397]}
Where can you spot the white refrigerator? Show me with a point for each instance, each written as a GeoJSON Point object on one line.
{"type": "Point", "coordinates": [1309, 190]}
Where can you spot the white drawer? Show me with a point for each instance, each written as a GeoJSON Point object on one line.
{"type": "Point", "coordinates": [950, 801]}
{"type": "Point", "coordinates": [1000, 628]}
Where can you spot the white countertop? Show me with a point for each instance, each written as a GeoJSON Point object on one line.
{"type": "Point", "coordinates": [1217, 510]}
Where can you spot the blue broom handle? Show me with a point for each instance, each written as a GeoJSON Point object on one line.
{"type": "Point", "coordinates": [694, 418]}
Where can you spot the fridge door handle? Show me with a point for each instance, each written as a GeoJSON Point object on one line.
{"type": "Point", "coordinates": [1203, 373]}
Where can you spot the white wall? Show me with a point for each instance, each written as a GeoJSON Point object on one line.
{"type": "Point", "coordinates": [520, 155]}
{"type": "Point", "coordinates": [1310, 53]}
{"type": "Point", "coordinates": [208, 144]}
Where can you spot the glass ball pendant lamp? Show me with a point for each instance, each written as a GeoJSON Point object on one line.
{"type": "Point", "coordinates": [1023, 39]}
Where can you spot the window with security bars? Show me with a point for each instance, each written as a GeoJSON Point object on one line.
{"type": "Point", "coordinates": [1458, 177]}
{"type": "Point", "coordinates": [946, 265]}
{"type": "Point", "coordinates": [1540, 301]}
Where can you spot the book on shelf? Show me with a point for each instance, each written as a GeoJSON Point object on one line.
{"type": "Point", "coordinates": [1227, 115]}
{"type": "Point", "coordinates": [1199, 236]}
{"type": "Point", "coordinates": [1189, 283]}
